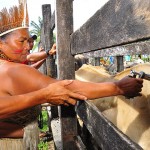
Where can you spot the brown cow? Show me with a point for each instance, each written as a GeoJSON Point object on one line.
{"type": "Point", "coordinates": [131, 116]}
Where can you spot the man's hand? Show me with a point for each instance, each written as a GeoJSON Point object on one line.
{"type": "Point", "coordinates": [53, 50]}
{"type": "Point", "coordinates": [58, 94]}
{"type": "Point", "coordinates": [130, 87]}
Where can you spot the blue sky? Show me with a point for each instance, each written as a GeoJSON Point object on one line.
{"type": "Point", "coordinates": [83, 9]}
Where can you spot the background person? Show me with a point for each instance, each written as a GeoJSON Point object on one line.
{"type": "Point", "coordinates": [38, 58]}
{"type": "Point", "coordinates": [139, 60]}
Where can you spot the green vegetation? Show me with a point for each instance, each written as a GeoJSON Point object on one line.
{"type": "Point", "coordinates": [44, 145]}
{"type": "Point", "coordinates": [36, 29]}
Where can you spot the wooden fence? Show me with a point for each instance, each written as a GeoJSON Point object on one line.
{"type": "Point", "coordinates": [120, 27]}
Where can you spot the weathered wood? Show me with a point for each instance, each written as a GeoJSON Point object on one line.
{"type": "Point", "coordinates": [117, 23]}
{"type": "Point", "coordinates": [48, 38]}
{"type": "Point", "coordinates": [103, 131]}
{"type": "Point", "coordinates": [53, 21]}
{"type": "Point", "coordinates": [129, 49]}
{"type": "Point", "coordinates": [87, 139]}
{"type": "Point", "coordinates": [65, 66]}
{"type": "Point", "coordinates": [64, 20]}
{"type": "Point", "coordinates": [79, 143]}
{"type": "Point", "coordinates": [56, 130]}
{"type": "Point", "coordinates": [116, 27]}
{"type": "Point", "coordinates": [120, 64]}
{"type": "Point", "coordinates": [43, 67]}
{"type": "Point", "coordinates": [97, 61]}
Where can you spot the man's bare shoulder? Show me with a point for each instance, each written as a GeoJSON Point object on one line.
{"type": "Point", "coordinates": [13, 69]}
{"type": "Point", "coordinates": [12, 75]}
{"type": "Point", "coordinates": [21, 78]}
{"type": "Point", "coordinates": [21, 74]}
{"type": "Point", "coordinates": [11, 66]}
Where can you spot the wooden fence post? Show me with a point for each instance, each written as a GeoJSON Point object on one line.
{"type": "Point", "coordinates": [65, 69]}
{"type": "Point", "coordinates": [42, 69]}
{"type": "Point", "coordinates": [120, 65]}
{"type": "Point", "coordinates": [97, 61]}
{"type": "Point", "coordinates": [48, 39]}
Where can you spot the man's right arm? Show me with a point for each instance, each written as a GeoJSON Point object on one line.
{"type": "Point", "coordinates": [34, 57]}
{"type": "Point", "coordinates": [37, 64]}
{"type": "Point", "coordinates": [55, 94]}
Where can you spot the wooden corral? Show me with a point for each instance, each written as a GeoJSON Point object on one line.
{"type": "Point", "coordinates": [119, 28]}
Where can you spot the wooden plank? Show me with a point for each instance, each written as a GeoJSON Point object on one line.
{"type": "Point", "coordinates": [129, 49]}
{"type": "Point", "coordinates": [118, 22]}
{"type": "Point", "coordinates": [97, 61]}
{"type": "Point", "coordinates": [79, 143]}
{"type": "Point", "coordinates": [120, 65]}
{"type": "Point", "coordinates": [48, 38]}
{"type": "Point", "coordinates": [103, 131]}
{"type": "Point", "coordinates": [64, 18]}
{"type": "Point", "coordinates": [53, 21]}
{"type": "Point", "coordinates": [87, 139]}
{"type": "Point", "coordinates": [65, 69]}
{"type": "Point", "coordinates": [43, 69]}
{"type": "Point", "coordinates": [56, 130]}
{"type": "Point", "coordinates": [50, 69]}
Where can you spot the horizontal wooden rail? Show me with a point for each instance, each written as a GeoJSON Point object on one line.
{"type": "Point", "coordinates": [103, 131]}
{"type": "Point", "coordinates": [118, 22]}
{"type": "Point", "coordinates": [142, 47]}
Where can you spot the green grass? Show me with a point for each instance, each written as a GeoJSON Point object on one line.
{"type": "Point", "coordinates": [44, 145]}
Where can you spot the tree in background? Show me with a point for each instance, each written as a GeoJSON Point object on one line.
{"type": "Point", "coordinates": [36, 29]}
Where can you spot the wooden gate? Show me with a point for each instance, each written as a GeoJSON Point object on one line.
{"type": "Point", "coordinates": [120, 27]}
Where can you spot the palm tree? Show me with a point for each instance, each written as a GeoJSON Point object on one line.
{"type": "Point", "coordinates": [36, 29]}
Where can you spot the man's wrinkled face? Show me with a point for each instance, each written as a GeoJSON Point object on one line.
{"type": "Point", "coordinates": [16, 45]}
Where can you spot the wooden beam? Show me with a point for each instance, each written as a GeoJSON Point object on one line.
{"type": "Point", "coordinates": [128, 49]}
{"type": "Point", "coordinates": [118, 22]}
{"type": "Point", "coordinates": [53, 21]}
{"type": "Point", "coordinates": [103, 131]}
{"type": "Point", "coordinates": [48, 39]}
{"type": "Point", "coordinates": [43, 68]}
{"type": "Point", "coordinates": [65, 69]}
{"type": "Point", "coordinates": [64, 19]}
{"type": "Point", "coordinates": [119, 63]}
